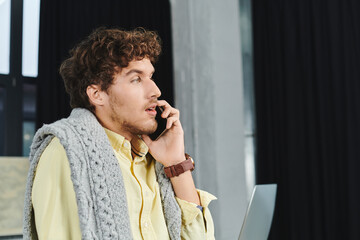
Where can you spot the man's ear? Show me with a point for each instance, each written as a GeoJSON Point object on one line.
{"type": "Point", "coordinates": [96, 96]}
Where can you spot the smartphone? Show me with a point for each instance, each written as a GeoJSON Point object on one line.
{"type": "Point", "coordinates": [161, 128]}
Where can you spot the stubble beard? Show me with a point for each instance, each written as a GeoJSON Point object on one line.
{"type": "Point", "coordinates": [130, 126]}
{"type": "Point", "coordinates": [136, 129]}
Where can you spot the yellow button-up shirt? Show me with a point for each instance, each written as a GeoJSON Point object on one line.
{"type": "Point", "coordinates": [54, 201]}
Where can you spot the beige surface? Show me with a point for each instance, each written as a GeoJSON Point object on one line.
{"type": "Point", "coordinates": [13, 174]}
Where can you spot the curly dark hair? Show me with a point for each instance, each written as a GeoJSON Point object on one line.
{"type": "Point", "coordinates": [100, 56]}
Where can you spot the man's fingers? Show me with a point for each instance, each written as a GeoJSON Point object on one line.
{"type": "Point", "coordinates": [169, 111]}
{"type": "Point", "coordinates": [172, 121]}
{"type": "Point", "coordinates": [169, 122]}
{"type": "Point", "coordinates": [162, 103]}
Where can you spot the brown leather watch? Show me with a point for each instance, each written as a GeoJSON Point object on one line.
{"type": "Point", "coordinates": [176, 170]}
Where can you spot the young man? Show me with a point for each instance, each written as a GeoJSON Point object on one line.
{"type": "Point", "coordinates": [97, 174]}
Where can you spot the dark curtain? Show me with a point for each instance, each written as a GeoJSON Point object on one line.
{"type": "Point", "coordinates": [63, 23]}
{"type": "Point", "coordinates": [307, 93]}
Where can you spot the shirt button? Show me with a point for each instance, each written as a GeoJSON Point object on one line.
{"type": "Point", "coordinates": [126, 144]}
{"type": "Point", "coordinates": [146, 224]}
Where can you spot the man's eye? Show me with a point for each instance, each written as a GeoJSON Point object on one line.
{"type": "Point", "coordinates": [138, 79]}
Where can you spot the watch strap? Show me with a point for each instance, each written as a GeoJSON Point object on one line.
{"type": "Point", "coordinates": [176, 170]}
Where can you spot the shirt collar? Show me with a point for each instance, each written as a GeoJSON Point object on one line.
{"type": "Point", "coordinates": [138, 147]}
{"type": "Point", "coordinates": [120, 143]}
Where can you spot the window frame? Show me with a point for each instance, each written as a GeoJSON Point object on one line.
{"type": "Point", "coordinates": [13, 85]}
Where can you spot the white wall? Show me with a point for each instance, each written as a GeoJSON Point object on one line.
{"type": "Point", "coordinates": [209, 94]}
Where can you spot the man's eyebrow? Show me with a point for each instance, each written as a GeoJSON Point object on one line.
{"type": "Point", "coordinates": [137, 71]}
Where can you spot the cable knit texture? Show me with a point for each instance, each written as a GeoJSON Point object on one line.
{"type": "Point", "coordinates": [97, 180]}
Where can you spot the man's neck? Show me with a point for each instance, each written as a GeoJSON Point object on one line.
{"type": "Point", "coordinates": [127, 135]}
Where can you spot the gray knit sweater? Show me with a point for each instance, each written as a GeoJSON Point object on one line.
{"type": "Point", "coordinates": [97, 180]}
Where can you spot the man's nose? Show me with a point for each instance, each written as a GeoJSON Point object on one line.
{"type": "Point", "coordinates": [155, 91]}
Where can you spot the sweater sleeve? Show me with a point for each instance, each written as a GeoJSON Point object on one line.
{"type": "Point", "coordinates": [53, 196]}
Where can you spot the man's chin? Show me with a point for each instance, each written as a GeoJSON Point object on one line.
{"type": "Point", "coordinates": [150, 131]}
{"type": "Point", "coordinates": [147, 131]}
{"type": "Point", "coordinates": [152, 128]}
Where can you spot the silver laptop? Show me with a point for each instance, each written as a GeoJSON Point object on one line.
{"type": "Point", "coordinates": [258, 218]}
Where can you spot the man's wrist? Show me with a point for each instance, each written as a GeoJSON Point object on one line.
{"type": "Point", "coordinates": [179, 168]}
{"type": "Point", "coordinates": [174, 160]}
{"type": "Point", "coordinates": [172, 163]}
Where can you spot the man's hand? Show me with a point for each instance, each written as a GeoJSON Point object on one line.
{"type": "Point", "coordinates": [169, 148]}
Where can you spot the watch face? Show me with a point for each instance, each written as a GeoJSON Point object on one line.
{"type": "Point", "coordinates": [187, 156]}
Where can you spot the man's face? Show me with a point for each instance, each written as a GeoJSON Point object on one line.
{"type": "Point", "coordinates": [131, 100]}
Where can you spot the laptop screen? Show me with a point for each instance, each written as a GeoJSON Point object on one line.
{"type": "Point", "coordinates": [258, 218]}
